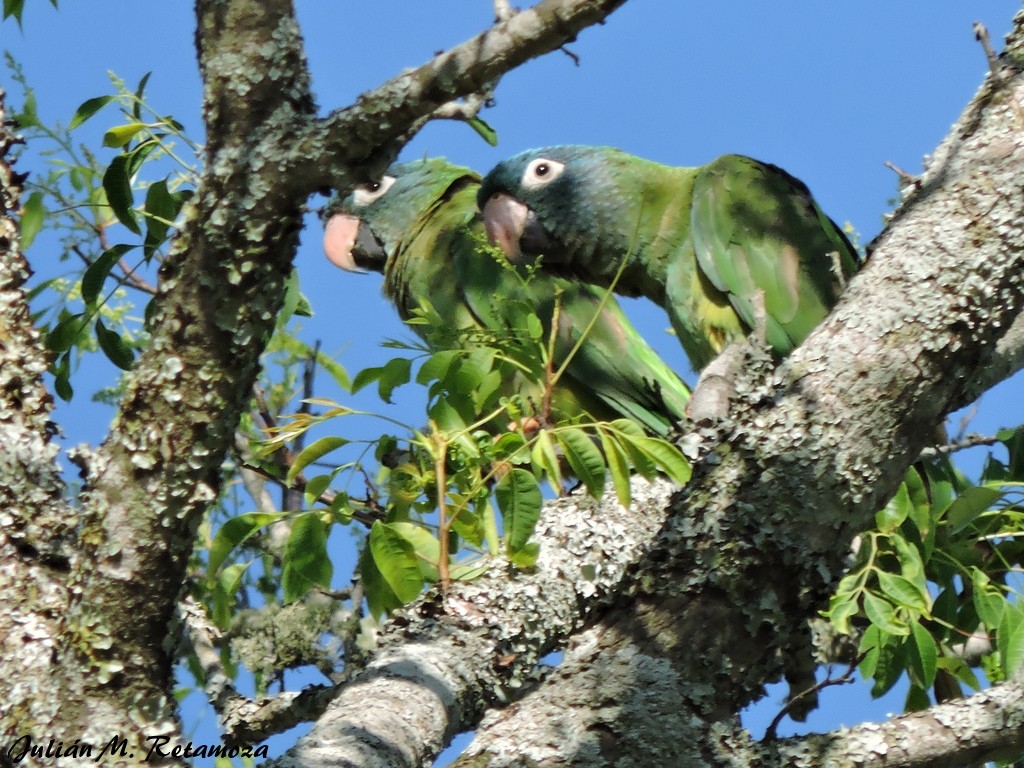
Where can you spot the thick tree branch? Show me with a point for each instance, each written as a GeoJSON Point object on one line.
{"type": "Point", "coordinates": [441, 662]}
{"type": "Point", "coordinates": [986, 726]}
{"type": "Point", "coordinates": [368, 135]}
{"type": "Point", "coordinates": [36, 525]}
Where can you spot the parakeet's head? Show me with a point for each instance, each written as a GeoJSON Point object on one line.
{"type": "Point", "coordinates": [367, 228]}
{"type": "Point", "coordinates": [556, 201]}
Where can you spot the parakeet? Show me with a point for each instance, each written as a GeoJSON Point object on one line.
{"type": "Point", "coordinates": [420, 226]}
{"type": "Point", "coordinates": [702, 242]}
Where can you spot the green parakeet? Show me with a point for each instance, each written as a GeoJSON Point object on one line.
{"type": "Point", "coordinates": [420, 226]}
{"type": "Point", "coordinates": [701, 242]}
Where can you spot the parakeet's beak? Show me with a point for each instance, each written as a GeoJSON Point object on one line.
{"type": "Point", "coordinates": [514, 228]}
{"type": "Point", "coordinates": [350, 244]}
{"type": "Point", "coordinates": [505, 221]}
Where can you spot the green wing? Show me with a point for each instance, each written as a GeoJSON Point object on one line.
{"type": "Point", "coordinates": [616, 362]}
{"type": "Point", "coordinates": [756, 228]}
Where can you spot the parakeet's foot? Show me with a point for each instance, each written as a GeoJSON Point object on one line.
{"type": "Point", "coordinates": [717, 386]}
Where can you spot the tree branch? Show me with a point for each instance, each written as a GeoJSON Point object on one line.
{"type": "Point", "coordinates": [442, 661]}
{"type": "Point", "coordinates": [368, 135]}
{"type": "Point", "coordinates": [986, 726]}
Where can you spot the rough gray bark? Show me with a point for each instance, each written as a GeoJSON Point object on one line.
{"type": "Point", "coordinates": [92, 591]}
{"type": "Point", "coordinates": [757, 540]}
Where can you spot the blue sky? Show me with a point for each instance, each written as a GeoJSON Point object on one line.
{"type": "Point", "coordinates": [829, 91]}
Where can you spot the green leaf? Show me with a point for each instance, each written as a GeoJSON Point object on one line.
{"type": "Point", "coordinates": [62, 378]}
{"type": "Point", "coordinates": [396, 561]}
{"type": "Point", "coordinates": [519, 500]}
{"type": "Point", "coordinates": [117, 350]}
{"type": "Point", "coordinates": [526, 557]}
{"type": "Point", "coordinates": [120, 135]}
{"type": "Point", "coordinates": [87, 109]}
{"type": "Point", "coordinates": [446, 417]}
{"type": "Point", "coordinates": [889, 666]}
{"type": "Point", "coordinates": [96, 274]}
{"type": "Point", "coordinates": [911, 565]}
{"type": "Point", "coordinates": [487, 133]}
{"type": "Point", "coordinates": [379, 596]}
{"type": "Point", "coordinates": [903, 591]}
{"type": "Point", "coordinates": [618, 465]}
{"type": "Point", "coordinates": [138, 154]}
{"type": "Point", "coordinates": [970, 505]}
{"type": "Point", "coordinates": [392, 374]}
{"type": "Point", "coordinates": [870, 643]}
{"type": "Point", "coordinates": [437, 365]}
{"type": "Point", "coordinates": [841, 609]}
{"type": "Point", "coordinates": [959, 669]}
{"type": "Point", "coordinates": [922, 655]}
{"type": "Point", "coordinates": [424, 544]}
{"type": "Point", "coordinates": [117, 185]}
{"type": "Point", "coordinates": [32, 216]}
{"type": "Point", "coordinates": [66, 333]}
{"type": "Point", "coordinates": [468, 572]}
{"type": "Point", "coordinates": [534, 327]}
{"type": "Point", "coordinates": [316, 486]}
{"type": "Point", "coordinates": [917, 700]}
{"type": "Point", "coordinates": [161, 207]}
{"type": "Point", "coordinates": [584, 458]}
{"type": "Point", "coordinates": [545, 459]}
{"type": "Point", "coordinates": [988, 600]}
{"type": "Point", "coordinates": [224, 591]}
{"type": "Point", "coordinates": [305, 563]}
{"type": "Point", "coordinates": [1011, 640]}
{"type": "Point", "coordinates": [337, 371]}
{"type": "Point", "coordinates": [666, 457]}
{"type": "Point", "coordinates": [627, 432]}
{"type": "Point", "coordinates": [139, 91]}
{"type": "Point", "coordinates": [312, 453]}
{"type": "Point", "coordinates": [14, 8]}
{"type": "Point", "coordinates": [882, 614]}
{"type": "Point", "coordinates": [892, 515]}
{"type": "Point", "coordinates": [230, 535]}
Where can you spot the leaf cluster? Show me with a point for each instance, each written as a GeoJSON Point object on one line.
{"type": "Point", "coordinates": [932, 593]}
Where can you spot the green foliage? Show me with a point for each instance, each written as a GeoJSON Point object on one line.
{"type": "Point", "coordinates": [468, 486]}
{"type": "Point", "coordinates": [16, 8]}
{"type": "Point", "coordinates": [936, 572]}
{"type": "Point", "coordinates": [112, 243]}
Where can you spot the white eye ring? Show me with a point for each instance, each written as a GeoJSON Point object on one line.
{"type": "Point", "coordinates": [541, 172]}
{"type": "Point", "coordinates": [365, 194]}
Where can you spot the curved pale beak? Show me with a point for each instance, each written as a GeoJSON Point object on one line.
{"type": "Point", "coordinates": [505, 221]}
{"type": "Point", "coordinates": [340, 239]}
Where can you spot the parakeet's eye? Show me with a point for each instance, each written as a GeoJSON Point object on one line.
{"type": "Point", "coordinates": [365, 194]}
{"type": "Point", "coordinates": [540, 172]}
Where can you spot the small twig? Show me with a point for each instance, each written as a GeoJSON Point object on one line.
{"type": "Point", "coordinates": [355, 657]}
{"type": "Point", "coordinates": [503, 11]}
{"type": "Point", "coordinates": [464, 109]}
{"type": "Point", "coordinates": [845, 679]}
{"type": "Point", "coordinates": [204, 639]}
{"type": "Point", "coordinates": [441, 483]}
{"type": "Point", "coordinates": [575, 58]}
{"type": "Point", "coordinates": [367, 516]}
{"type": "Point", "coordinates": [907, 178]}
{"type": "Point", "coordinates": [965, 420]}
{"type": "Point", "coordinates": [960, 444]}
{"type": "Point", "coordinates": [981, 35]}
{"type": "Point", "coordinates": [998, 73]}
{"type": "Point", "coordinates": [129, 278]}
